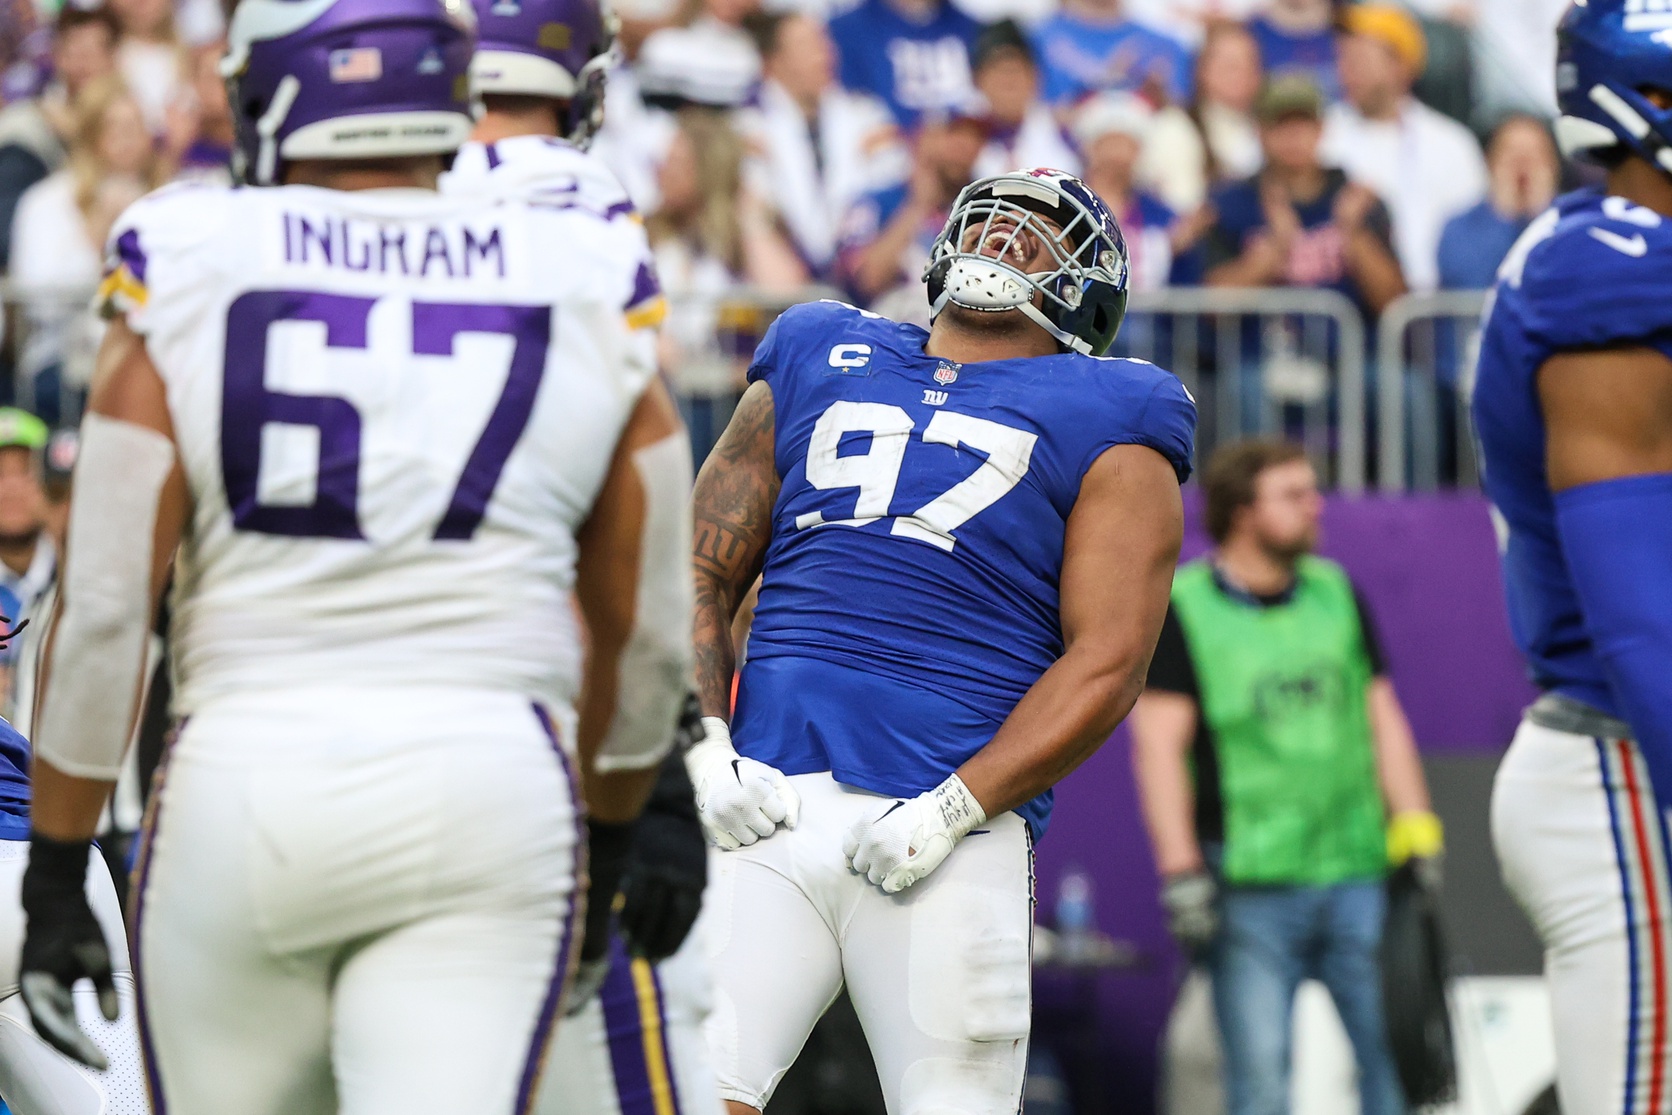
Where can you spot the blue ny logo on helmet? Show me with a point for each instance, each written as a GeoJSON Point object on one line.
{"type": "Point", "coordinates": [1080, 296]}
{"type": "Point", "coordinates": [1608, 52]}
{"type": "Point", "coordinates": [346, 79]}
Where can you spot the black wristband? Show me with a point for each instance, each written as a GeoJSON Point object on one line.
{"type": "Point", "coordinates": [56, 868]}
{"type": "Point", "coordinates": [608, 848]}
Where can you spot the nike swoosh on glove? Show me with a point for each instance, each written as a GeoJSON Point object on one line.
{"type": "Point", "coordinates": [739, 801]}
{"type": "Point", "coordinates": [912, 838]}
{"type": "Point", "coordinates": [62, 944]}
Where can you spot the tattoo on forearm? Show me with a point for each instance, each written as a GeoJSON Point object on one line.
{"type": "Point", "coordinates": [733, 502]}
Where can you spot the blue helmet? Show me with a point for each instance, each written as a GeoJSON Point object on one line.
{"type": "Point", "coordinates": [559, 49]}
{"type": "Point", "coordinates": [1607, 53]}
{"type": "Point", "coordinates": [1084, 293]}
{"type": "Point", "coordinates": [346, 79]}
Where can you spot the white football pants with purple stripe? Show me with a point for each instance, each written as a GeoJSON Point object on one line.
{"type": "Point", "coordinates": [357, 901]}
{"type": "Point", "coordinates": [1584, 849]}
{"type": "Point", "coordinates": [36, 1079]}
{"type": "Point", "coordinates": [637, 1048]}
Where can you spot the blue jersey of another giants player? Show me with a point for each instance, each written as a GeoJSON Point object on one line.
{"type": "Point", "coordinates": [1593, 272]}
{"type": "Point", "coordinates": [910, 591]}
{"type": "Point", "coordinates": [14, 784]}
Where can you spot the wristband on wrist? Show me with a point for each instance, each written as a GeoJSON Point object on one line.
{"type": "Point", "coordinates": [956, 807]}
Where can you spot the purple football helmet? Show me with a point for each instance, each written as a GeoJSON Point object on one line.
{"type": "Point", "coordinates": [346, 79]}
{"type": "Point", "coordinates": [547, 48]}
{"type": "Point", "coordinates": [1084, 287]}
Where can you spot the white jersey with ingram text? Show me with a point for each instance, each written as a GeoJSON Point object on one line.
{"type": "Point", "coordinates": [394, 409]}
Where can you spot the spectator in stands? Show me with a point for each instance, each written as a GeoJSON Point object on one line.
{"type": "Point", "coordinates": [34, 132]}
{"type": "Point", "coordinates": [1299, 35]}
{"type": "Point", "coordinates": [1427, 166]}
{"type": "Point", "coordinates": [59, 229]}
{"type": "Point", "coordinates": [1093, 45]}
{"type": "Point", "coordinates": [1021, 130]}
{"type": "Point", "coordinates": [913, 54]}
{"type": "Point", "coordinates": [1215, 139]}
{"type": "Point", "coordinates": [887, 236]}
{"type": "Point", "coordinates": [151, 58]}
{"type": "Point", "coordinates": [201, 132]}
{"type": "Point", "coordinates": [1279, 778]}
{"type": "Point", "coordinates": [1111, 130]}
{"type": "Point", "coordinates": [28, 556]}
{"type": "Point", "coordinates": [711, 237]}
{"type": "Point", "coordinates": [817, 148]}
{"type": "Point", "coordinates": [1299, 222]}
{"type": "Point", "coordinates": [1523, 173]}
{"type": "Point", "coordinates": [705, 58]}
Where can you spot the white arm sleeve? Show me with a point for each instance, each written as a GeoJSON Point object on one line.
{"type": "Point", "coordinates": [99, 643]}
{"type": "Point", "coordinates": [657, 663]}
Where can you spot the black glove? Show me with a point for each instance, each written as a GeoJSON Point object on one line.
{"type": "Point", "coordinates": [1192, 903]}
{"type": "Point", "coordinates": [62, 943]}
{"type": "Point", "coordinates": [668, 869]}
{"type": "Point", "coordinates": [607, 848]}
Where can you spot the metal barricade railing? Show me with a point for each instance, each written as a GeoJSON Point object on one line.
{"type": "Point", "coordinates": [1426, 347]}
{"type": "Point", "coordinates": [1283, 361]}
{"type": "Point", "coordinates": [1289, 361]}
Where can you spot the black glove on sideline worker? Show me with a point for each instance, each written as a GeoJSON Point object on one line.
{"type": "Point", "coordinates": [668, 869]}
{"type": "Point", "coordinates": [1192, 902]}
{"type": "Point", "coordinates": [62, 943]}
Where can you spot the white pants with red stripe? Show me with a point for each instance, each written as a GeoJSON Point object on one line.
{"type": "Point", "coordinates": [1583, 847]}
{"type": "Point", "coordinates": [356, 902]}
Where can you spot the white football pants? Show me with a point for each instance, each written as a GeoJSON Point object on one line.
{"type": "Point", "coordinates": [36, 1079]}
{"type": "Point", "coordinates": [1583, 848]}
{"type": "Point", "coordinates": [357, 901]}
{"type": "Point", "coordinates": [939, 974]}
{"type": "Point", "coordinates": [637, 1047]}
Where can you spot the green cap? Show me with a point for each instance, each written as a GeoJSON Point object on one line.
{"type": "Point", "coordinates": [20, 428]}
{"type": "Point", "coordinates": [1289, 95]}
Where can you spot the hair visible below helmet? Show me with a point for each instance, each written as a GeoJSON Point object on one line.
{"type": "Point", "coordinates": [1084, 290]}
{"type": "Point", "coordinates": [1607, 53]}
{"type": "Point", "coordinates": [346, 79]}
{"type": "Point", "coordinates": [559, 49]}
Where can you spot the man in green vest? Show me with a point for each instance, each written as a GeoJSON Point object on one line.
{"type": "Point", "coordinates": [1278, 776]}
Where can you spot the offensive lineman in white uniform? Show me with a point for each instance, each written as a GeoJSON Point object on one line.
{"type": "Point", "coordinates": [633, 1044]}
{"type": "Point", "coordinates": [389, 432]}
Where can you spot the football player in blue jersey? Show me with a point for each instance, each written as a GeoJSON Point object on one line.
{"type": "Point", "coordinates": [1573, 411]}
{"type": "Point", "coordinates": [965, 539]}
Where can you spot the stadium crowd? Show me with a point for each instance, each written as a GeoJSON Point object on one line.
{"type": "Point", "coordinates": [1367, 148]}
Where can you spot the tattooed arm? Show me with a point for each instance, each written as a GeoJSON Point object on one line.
{"type": "Point", "coordinates": [739, 800]}
{"type": "Point", "coordinates": [735, 493]}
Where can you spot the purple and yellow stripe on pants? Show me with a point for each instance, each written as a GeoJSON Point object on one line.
{"type": "Point", "coordinates": [635, 1024]}
{"type": "Point", "coordinates": [568, 940]}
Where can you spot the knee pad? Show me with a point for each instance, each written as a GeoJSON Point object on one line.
{"type": "Point", "coordinates": [971, 968]}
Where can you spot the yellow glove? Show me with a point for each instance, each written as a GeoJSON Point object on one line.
{"type": "Point", "coordinates": [1414, 834]}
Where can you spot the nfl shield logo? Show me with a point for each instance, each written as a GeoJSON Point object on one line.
{"type": "Point", "coordinates": [946, 373]}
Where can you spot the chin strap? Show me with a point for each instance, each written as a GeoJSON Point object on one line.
{"type": "Point", "coordinates": [1028, 309]}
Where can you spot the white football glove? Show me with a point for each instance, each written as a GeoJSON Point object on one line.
{"type": "Point", "coordinates": [913, 837]}
{"type": "Point", "coordinates": [739, 800]}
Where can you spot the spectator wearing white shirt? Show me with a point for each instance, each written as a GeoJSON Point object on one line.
{"type": "Point", "coordinates": [1215, 139]}
{"type": "Point", "coordinates": [1021, 129]}
{"type": "Point", "coordinates": [816, 147]}
{"type": "Point", "coordinates": [1427, 166]}
{"type": "Point", "coordinates": [706, 58]}
{"type": "Point", "coordinates": [151, 58]}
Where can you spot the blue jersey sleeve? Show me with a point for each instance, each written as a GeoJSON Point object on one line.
{"type": "Point", "coordinates": [1604, 282]}
{"type": "Point", "coordinates": [1165, 420]}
